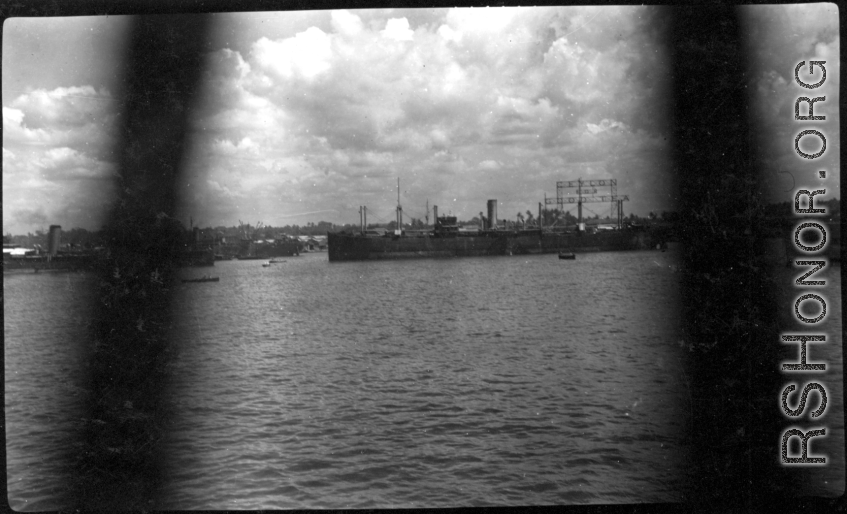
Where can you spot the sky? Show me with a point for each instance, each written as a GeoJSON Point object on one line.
{"type": "Point", "coordinates": [779, 38]}
{"type": "Point", "coordinates": [305, 116]}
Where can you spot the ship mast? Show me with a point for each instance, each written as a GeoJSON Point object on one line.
{"type": "Point", "coordinates": [579, 226]}
{"type": "Point", "coordinates": [399, 230]}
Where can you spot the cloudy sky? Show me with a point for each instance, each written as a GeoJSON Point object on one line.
{"type": "Point", "coordinates": [306, 116]}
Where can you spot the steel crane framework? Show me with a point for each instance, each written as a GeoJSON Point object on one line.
{"type": "Point", "coordinates": [586, 192]}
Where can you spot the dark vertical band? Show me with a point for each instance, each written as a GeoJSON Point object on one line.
{"type": "Point", "coordinates": [120, 466]}
{"type": "Point", "coordinates": [729, 311]}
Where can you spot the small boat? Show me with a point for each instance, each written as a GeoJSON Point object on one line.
{"type": "Point", "coordinates": [276, 261]}
{"type": "Point", "coordinates": [567, 255]}
{"type": "Point", "coordinates": [266, 264]}
{"type": "Point", "coordinates": [207, 278]}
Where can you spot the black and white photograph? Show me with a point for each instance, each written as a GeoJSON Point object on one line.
{"type": "Point", "coordinates": [379, 257]}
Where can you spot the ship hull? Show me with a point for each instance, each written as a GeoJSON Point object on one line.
{"type": "Point", "coordinates": [43, 263]}
{"type": "Point", "coordinates": [345, 247]}
{"type": "Point", "coordinates": [269, 251]}
{"type": "Point", "coordinates": [612, 241]}
{"type": "Point", "coordinates": [197, 258]}
{"type": "Point", "coordinates": [277, 250]}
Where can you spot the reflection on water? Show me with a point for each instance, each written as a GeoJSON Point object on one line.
{"type": "Point", "coordinates": [427, 383]}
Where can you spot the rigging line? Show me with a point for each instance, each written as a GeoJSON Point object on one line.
{"type": "Point", "coordinates": [414, 215]}
{"type": "Point", "coordinates": [378, 217]}
{"type": "Point", "coordinates": [592, 212]}
{"type": "Point", "coordinates": [584, 24]}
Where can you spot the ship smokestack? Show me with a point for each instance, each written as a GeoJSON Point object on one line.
{"type": "Point", "coordinates": [492, 214]}
{"type": "Point", "coordinates": [435, 214]}
{"type": "Point", "coordinates": [53, 239]}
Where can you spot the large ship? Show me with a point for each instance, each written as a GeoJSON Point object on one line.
{"type": "Point", "coordinates": [353, 247]}
{"type": "Point", "coordinates": [196, 257]}
{"type": "Point", "coordinates": [446, 240]}
{"type": "Point", "coordinates": [46, 262]}
{"type": "Point", "coordinates": [18, 259]}
{"type": "Point", "coordinates": [252, 246]}
{"type": "Point", "coordinates": [268, 249]}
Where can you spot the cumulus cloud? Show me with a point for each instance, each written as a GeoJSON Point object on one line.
{"type": "Point", "coordinates": [14, 130]}
{"type": "Point", "coordinates": [65, 164]}
{"type": "Point", "coordinates": [58, 156]}
{"type": "Point", "coordinates": [325, 110]}
{"type": "Point", "coordinates": [307, 54]}
{"type": "Point", "coordinates": [333, 113]}
{"type": "Point", "coordinates": [225, 191]}
{"type": "Point", "coordinates": [604, 126]}
{"type": "Point", "coordinates": [346, 23]}
{"type": "Point", "coordinates": [398, 30]}
{"type": "Point", "coordinates": [76, 117]}
{"type": "Point", "coordinates": [227, 147]}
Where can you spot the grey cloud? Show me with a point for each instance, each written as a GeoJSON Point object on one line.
{"type": "Point", "coordinates": [30, 217]}
{"type": "Point", "coordinates": [778, 38]}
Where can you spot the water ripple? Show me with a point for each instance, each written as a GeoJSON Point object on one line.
{"type": "Point", "coordinates": [449, 383]}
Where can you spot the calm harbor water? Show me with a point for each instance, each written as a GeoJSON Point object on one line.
{"type": "Point", "coordinates": [45, 327]}
{"type": "Point", "coordinates": [425, 383]}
